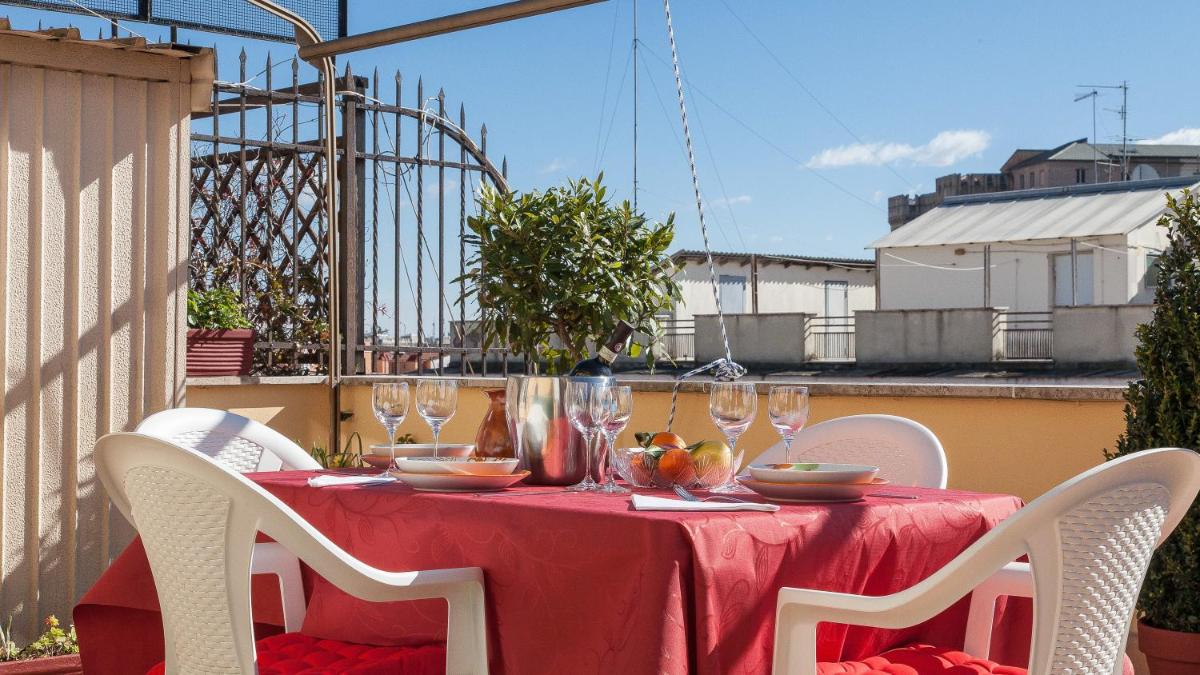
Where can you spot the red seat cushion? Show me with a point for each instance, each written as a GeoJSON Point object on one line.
{"type": "Point", "coordinates": [299, 654]}
{"type": "Point", "coordinates": [926, 660]}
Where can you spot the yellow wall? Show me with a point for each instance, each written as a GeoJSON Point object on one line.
{"type": "Point", "coordinates": [1020, 446]}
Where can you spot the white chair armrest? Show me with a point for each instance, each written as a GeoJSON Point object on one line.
{"type": "Point", "coordinates": [799, 610]}
{"type": "Point", "coordinates": [462, 588]}
{"type": "Point", "coordinates": [1014, 579]}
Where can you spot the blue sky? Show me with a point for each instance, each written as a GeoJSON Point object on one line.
{"type": "Point", "coordinates": [906, 91]}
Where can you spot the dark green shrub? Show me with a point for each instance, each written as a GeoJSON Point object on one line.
{"type": "Point", "coordinates": [1163, 410]}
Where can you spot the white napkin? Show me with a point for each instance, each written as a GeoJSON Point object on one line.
{"type": "Point", "coordinates": [327, 480]}
{"type": "Point", "coordinates": [651, 503]}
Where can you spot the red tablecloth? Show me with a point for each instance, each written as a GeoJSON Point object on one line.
{"type": "Point", "coordinates": [584, 584]}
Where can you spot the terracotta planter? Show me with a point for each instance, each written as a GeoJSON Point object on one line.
{"type": "Point", "coordinates": [1169, 652]}
{"type": "Point", "coordinates": [51, 665]}
{"type": "Point", "coordinates": [212, 353]}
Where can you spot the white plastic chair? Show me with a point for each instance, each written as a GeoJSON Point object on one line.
{"type": "Point", "coordinates": [907, 453]}
{"type": "Point", "coordinates": [236, 442]}
{"type": "Point", "coordinates": [242, 445]}
{"type": "Point", "coordinates": [1089, 542]}
{"type": "Point", "coordinates": [198, 523]}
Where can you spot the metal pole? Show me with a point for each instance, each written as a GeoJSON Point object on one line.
{"type": "Point", "coordinates": [317, 49]}
{"type": "Point", "coordinates": [1074, 273]}
{"type": "Point", "coordinates": [306, 34]}
{"type": "Point", "coordinates": [635, 108]}
{"type": "Point", "coordinates": [987, 275]}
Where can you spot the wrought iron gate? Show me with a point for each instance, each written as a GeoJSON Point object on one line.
{"type": "Point", "coordinates": [406, 174]}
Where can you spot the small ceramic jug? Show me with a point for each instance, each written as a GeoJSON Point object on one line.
{"type": "Point", "coordinates": [492, 439]}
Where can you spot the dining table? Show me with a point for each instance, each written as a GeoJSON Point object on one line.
{"type": "Point", "coordinates": [584, 583]}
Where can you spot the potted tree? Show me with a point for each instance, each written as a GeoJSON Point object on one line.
{"type": "Point", "coordinates": [553, 273]}
{"type": "Point", "coordinates": [220, 340]}
{"type": "Point", "coordinates": [1163, 410]}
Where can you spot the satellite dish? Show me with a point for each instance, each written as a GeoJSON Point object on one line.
{"type": "Point", "coordinates": [1143, 172]}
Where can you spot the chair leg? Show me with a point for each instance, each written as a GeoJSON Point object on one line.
{"type": "Point", "coordinates": [795, 645]}
{"type": "Point", "coordinates": [466, 634]}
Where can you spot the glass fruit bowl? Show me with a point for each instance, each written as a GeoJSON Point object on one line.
{"type": "Point", "coordinates": [704, 466]}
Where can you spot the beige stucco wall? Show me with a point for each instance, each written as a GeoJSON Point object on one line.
{"type": "Point", "coordinates": [93, 263]}
{"type": "Point", "coordinates": [992, 435]}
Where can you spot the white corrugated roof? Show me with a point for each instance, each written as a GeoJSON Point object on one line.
{"type": "Point", "coordinates": [1054, 213]}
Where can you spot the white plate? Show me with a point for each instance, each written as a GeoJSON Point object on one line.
{"type": "Point", "coordinates": [445, 482]}
{"type": "Point", "coordinates": [455, 465]}
{"type": "Point", "coordinates": [819, 473]}
{"type": "Point", "coordinates": [812, 492]}
{"type": "Point", "coordinates": [425, 449]}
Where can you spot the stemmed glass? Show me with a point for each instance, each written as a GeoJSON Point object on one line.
{"type": "Point", "coordinates": [389, 400]}
{"type": "Point", "coordinates": [582, 409]}
{"type": "Point", "coordinates": [616, 405]}
{"type": "Point", "coordinates": [436, 401]}
{"type": "Point", "coordinates": [787, 406]}
{"type": "Point", "coordinates": [732, 406]}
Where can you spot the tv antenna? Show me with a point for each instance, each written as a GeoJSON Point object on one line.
{"type": "Point", "coordinates": [1093, 94]}
{"type": "Point", "coordinates": [1123, 112]}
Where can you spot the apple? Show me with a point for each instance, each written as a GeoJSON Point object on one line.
{"type": "Point", "coordinates": [713, 461]}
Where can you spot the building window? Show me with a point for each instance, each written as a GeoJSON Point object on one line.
{"type": "Point", "coordinates": [1022, 181]}
{"type": "Point", "coordinates": [1032, 180]}
{"type": "Point", "coordinates": [1080, 175]}
{"type": "Point", "coordinates": [1064, 278]}
{"type": "Point", "coordinates": [1152, 269]}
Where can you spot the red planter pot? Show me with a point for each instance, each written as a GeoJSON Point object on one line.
{"type": "Point", "coordinates": [1169, 652]}
{"type": "Point", "coordinates": [212, 353]}
{"type": "Point", "coordinates": [51, 665]}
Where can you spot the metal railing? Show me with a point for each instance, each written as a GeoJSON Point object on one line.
{"type": "Point", "coordinates": [832, 338]}
{"type": "Point", "coordinates": [679, 339]}
{"type": "Point", "coordinates": [1026, 336]}
{"type": "Point", "coordinates": [407, 175]}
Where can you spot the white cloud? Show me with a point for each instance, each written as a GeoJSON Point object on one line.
{"type": "Point", "coordinates": [877, 196]}
{"type": "Point", "coordinates": [1184, 136]}
{"type": "Point", "coordinates": [732, 201]}
{"type": "Point", "coordinates": [556, 165]}
{"type": "Point", "coordinates": [944, 149]}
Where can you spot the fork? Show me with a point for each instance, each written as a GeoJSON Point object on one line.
{"type": "Point", "coordinates": [689, 497]}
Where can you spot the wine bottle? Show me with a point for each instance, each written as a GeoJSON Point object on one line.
{"type": "Point", "coordinates": [600, 365]}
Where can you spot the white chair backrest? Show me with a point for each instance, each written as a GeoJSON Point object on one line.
{"type": "Point", "coordinates": [236, 442]}
{"type": "Point", "coordinates": [907, 453]}
{"type": "Point", "coordinates": [198, 522]}
{"type": "Point", "coordinates": [1089, 542]}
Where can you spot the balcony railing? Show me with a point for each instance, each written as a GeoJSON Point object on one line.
{"type": "Point", "coordinates": [1026, 336]}
{"type": "Point", "coordinates": [832, 338]}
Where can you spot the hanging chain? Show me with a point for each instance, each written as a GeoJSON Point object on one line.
{"type": "Point", "coordinates": [724, 368]}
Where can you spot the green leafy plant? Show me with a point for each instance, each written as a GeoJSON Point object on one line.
{"type": "Point", "coordinates": [554, 271]}
{"type": "Point", "coordinates": [1163, 410]}
{"type": "Point", "coordinates": [53, 642]}
{"type": "Point", "coordinates": [216, 308]}
{"type": "Point", "coordinates": [344, 459]}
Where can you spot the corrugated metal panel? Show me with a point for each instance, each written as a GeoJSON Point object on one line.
{"type": "Point", "coordinates": [1045, 215]}
{"type": "Point", "coordinates": [93, 231]}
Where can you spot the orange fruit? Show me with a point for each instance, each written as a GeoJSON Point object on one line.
{"type": "Point", "coordinates": [675, 467]}
{"type": "Point", "coordinates": [641, 474]}
{"type": "Point", "coordinates": [667, 440]}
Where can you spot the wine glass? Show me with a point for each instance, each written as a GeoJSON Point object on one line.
{"type": "Point", "coordinates": [518, 401]}
{"type": "Point", "coordinates": [389, 401]}
{"type": "Point", "coordinates": [787, 406]}
{"type": "Point", "coordinates": [732, 406]}
{"type": "Point", "coordinates": [583, 411]}
{"type": "Point", "coordinates": [436, 401]}
{"type": "Point", "coordinates": [616, 405]}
